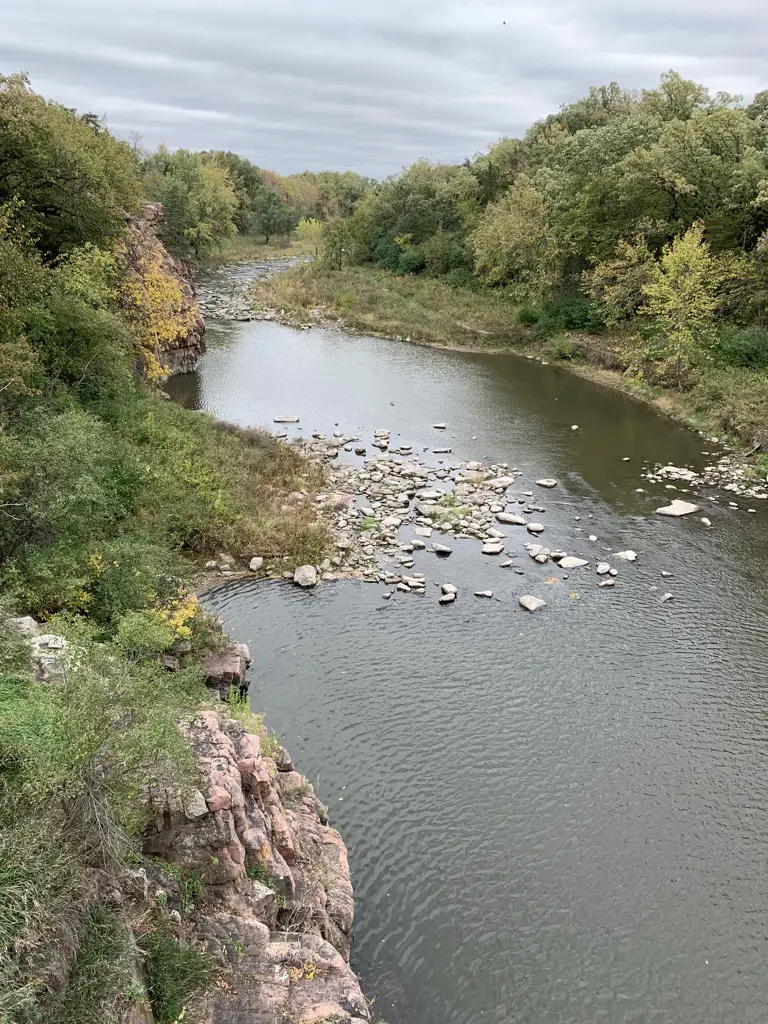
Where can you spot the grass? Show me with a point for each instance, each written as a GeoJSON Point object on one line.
{"type": "Point", "coordinates": [253, 247]}
{"type": "Point", "coordinates": [377, 302]}
{"type": "Point", "coordinates": [174, 974]}
{"type": "Point", "coordinates": [101, 983]}
{"type": "Point", "coordinates": [258, 872]}
{"type": "Point", "coordinates": [731, 402]}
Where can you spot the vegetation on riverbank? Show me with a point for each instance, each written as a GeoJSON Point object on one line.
{"type": "Point", "coordinates": [726, 400]}
{"type": "Point", "coordinates": [111, 499]}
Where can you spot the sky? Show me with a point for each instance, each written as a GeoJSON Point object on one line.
{"type": "Point", "coordinates": [364, 85]}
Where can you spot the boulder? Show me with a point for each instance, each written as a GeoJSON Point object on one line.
{"type": "Point", "coordinates": [286, 419]}
{"type": "Point", "coordinates": [603, 568]}
{"type": "Point", "coordinates": [535, 528]}
{"type": "Point", "coordinates": [305, 576]}
{"type": "Point", "coordinates": [484, 593]}
{"type": "Point", "coordinates": [256, 563]}
{"type": "Point", "coordinates": [447, 598]}
{"type": "Point", "coordinates": [547, 482]}
{"type": "Point", "coordinates": [677, 508]}
{"type": "Point", "coordinates": [25, 625]}
{"type": "Point", "coordinates": [225, 669]}
{"type": "Point", "coordinates": [509, 519]}
{"type": "Point", "coordinates": [49, 657]}
{"type": "Point", "coordinates": [626, 556]}
{"type": "Point", "coordinates": [442, 550]}
{"type": "Point", "coordinates": [493, 547]}
{"type": "Point", "coordinates": [531, 603]}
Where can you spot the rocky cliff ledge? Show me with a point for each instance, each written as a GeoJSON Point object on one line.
{"type": "Point", "coordinates": [183, 352]}
{"type": "Point", "coordinates": [278, 906]}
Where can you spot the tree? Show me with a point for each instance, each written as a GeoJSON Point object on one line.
{"type": "Point", "coordinates": [271, 215]}
{"type": "Point", "coordinates": [619, 283]}
{"type": "Point", "coordinates": [74, 180]}
{"type": "Point", "coordinates": [246, 181]}
{"type": "Point", "coordinates": [336, 243]}
{"type": "Point", "coordinates": [515, 244]}
{"type": "Point", "coordinates": [309, 234]}
{"type": "Point", "coordinates": [681, 298]}
{"type": "Point", "coordinates": [199, 202]}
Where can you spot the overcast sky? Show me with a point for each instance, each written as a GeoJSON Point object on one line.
{"type": "Point", "coordinates": [367, 85]}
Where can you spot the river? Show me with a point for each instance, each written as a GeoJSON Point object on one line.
{"type": "Point", "coordinates": [556, 818]}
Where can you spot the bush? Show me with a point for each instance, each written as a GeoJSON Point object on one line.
{"type": "Point", "coordinates": [460, 277]}
{"type": "Point", "coordinates": [411, 261]}
{"type": "Point", "coordinates": [571, 313]}
{"type": "Point", "coordinates": [386, 254]}
{"type": "Point", "coordinates": [745, 347]}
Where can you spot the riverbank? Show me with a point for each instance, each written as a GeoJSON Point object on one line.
{"type": "Point", "coordinates": [731, 402]}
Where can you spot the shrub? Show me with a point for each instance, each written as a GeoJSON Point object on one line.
{"type": "Point", "coordinates": [411, 261]}
{"type": "Point", "coordinates": [101, 974]}
{"type": "Point", "coordinates": [741, 346]}
{"type": "Point", "coordinates": [386, 254]}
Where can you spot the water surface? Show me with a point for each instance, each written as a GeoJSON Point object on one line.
{"type": "Point", "coordinates": [551, 819]}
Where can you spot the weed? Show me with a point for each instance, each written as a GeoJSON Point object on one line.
{"type": "Point", "coordinates": [369, 523]}
{"type": "Point", "coordinates": [101, 975]}
{"type": "Point", "coordinates": [258, 872]}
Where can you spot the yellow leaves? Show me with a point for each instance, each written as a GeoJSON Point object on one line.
{"type": "Point", "coordinates": [154, 304]}
{"type": "Point", "coordinates": [551, 580]}
{"type": "Point", "coordinates": [178, 614]}
{"type": "Point", "coordinates": [307, 970]}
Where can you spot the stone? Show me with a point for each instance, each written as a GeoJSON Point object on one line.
{"type": "Point", "coordinates": [305, 576]}
{"type": "Point", "coordinates": [449, 588]}
{"type": "Point", "coordinates": [494, 547]}
{"type": "Point", "coordinates": [592, 537]}
{"type": "Point", "coordinates": [575, 426]}
{"type": "Point", "coordinates": [25, 625]}
{"type": "Point", "coordinates": [677, 508]}
{"type": "Point", "coordinates": [531, 603]}
{"type": "Point", "coordinates": [495, 534]}
{"type": "Point", "coordinates": [603, 568]}
{"type": "Point", "coordinates": [442, 550]}
{"type": "Point", "coordinates": [474, 467]}
{"type": "Point", "coordinates": [547, 482]}
{"type": "Point", "coordinates": [607, 584]}
{"type": "Point", "coordinates": [666, 574]}
{"type": "Point", "coordinates": [438, 426]}
{"type": "Point", "coordinates": [666, 597]}
{"type": "Point", "coordinates": [447, 598]}
{"type": "Point", "coordinates": [441, 451]}
{"type": "Point", "coordinates": [484, 593]}
{"type": "Point", "coordinates": [707, 522]}
{"type": "Point", "coordinates": [613, 572]}
{"type": "Point", "coordinates": [225, 670]}
{"type": "Point", "coordinates": [571, 562]}
{"type": "Point", "coordinates": [256, 563]}
{"type": "Point", "coordinates": [626, 556]}
{"type": "Point", "coordinates": [286, 419]}
{"type": "Point", "coordinates": [49, 657]}
{"type": "Point", "coordinates": [506, 565]}
{"type": "Point", "coordinates": [535, 528]}
{"type": "Point", "coordinates": [509, 519]}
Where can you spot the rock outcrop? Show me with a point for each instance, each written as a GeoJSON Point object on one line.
{"type": "Point", "coordinates": [279, 905]}
{"type": "Point", "coordinates": [182, 353]}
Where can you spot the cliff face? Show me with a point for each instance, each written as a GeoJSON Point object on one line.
{"type": "Point", "coordinates": [257, 820]}
{"type": "Point", "coordinates": [179, 353]}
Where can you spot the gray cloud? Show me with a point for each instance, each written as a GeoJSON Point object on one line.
{"type": "Point", "coordinates": [347, 84]}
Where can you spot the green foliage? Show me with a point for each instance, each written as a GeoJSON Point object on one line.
{"type": "Point", "coordinates": [199, 201]}
{"type": "Point", "coordinates": [74, 181]}
{"type": "Point", "coordinates": [336, 243]}
{"type": "Point", "coordinates": [309, 235]}
{"type": "Point", "coordinates": [681, 298]}
{"type": "Point", "coordinates": [246, 181]}
{"type": "Point", "coordinates": [565, 313]}
{"type": "Point", "coordinates": [411, 261]}
{"type": "Point", "coordinates": [745, 347]}
{"type": "Point", "coordinates": [272, 216]}
{"type": "Point", "coordinates": [258, 872]}
{"type": "Point", "coordinates": [174, 974]}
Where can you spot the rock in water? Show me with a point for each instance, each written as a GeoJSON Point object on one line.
{"type": "Point", "coordinates": [606, 584]}
{"type": "Point", "coordinates": [483, 593]}
{"type": "Point", "coordinates": [547, 482]}
{"type": "Point", "coordinates": [677, 508]}
{"type": "Point", "coordinates": [438, 426]}
{"type": "Point", "coordinates": [442, 550]}
{"type": "Point", "coordinates": [570, 562]}
{"type": "Point", "coordinates": [603, 569]}
{"type": "Point", "coordinates": [575, 426]}
{"type": "Point", "coordinates": [286, 419]}
{"type": "Point", "coordinates": [626, 556]}
{"type": "Point", "coordinates": [707, 522]}
{"type": "Point", "coordinates": [532, 604]}
{"type": "Point", "coordinates": [449, 588]}
{"type": "Point", "coordinates": [305, 576]}
{"type": "Point", "coordinates": [666, 597]}
{"type": "Point", "coordinates": [535, 528]}
{"type": "Point", "coordinates": [493, 547]}
{"type": "Point", "coordinates": [447, 598]}
{"type": "Point", "coordinates": [509, 519]}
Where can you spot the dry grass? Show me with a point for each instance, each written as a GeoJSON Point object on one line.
{"type": "Point", "coordinates": [375, 301]}
{"type": "Point", "coordinates": [253, 247]}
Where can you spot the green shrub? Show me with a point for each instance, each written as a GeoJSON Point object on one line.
{"type": "Point", "coordinates": [386, 254]}
{"type": "Point", "coordinates": [745, 347]}
{"type": "Point", "coordinates": [460, 277]}
{"type": "Point", "coordinates": [411, 261]}
{"type": "Point", "coordinates": [174, 974]}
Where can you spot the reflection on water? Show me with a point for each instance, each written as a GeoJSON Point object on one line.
{"type": "Point", "coordinates": [551, 818]}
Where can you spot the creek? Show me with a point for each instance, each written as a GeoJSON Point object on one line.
{"type": "Point", "coordinates": [556, 818]}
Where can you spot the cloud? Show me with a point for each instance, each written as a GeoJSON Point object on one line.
{"type": "Point", "coordinates": [368, 86]}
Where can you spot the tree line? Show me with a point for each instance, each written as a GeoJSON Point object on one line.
{"type": "Point", "coordinates": [645, 212]}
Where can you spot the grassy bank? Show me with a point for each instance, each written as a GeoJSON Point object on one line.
{"type": "Point", "coordinates": [729, 401]}
{"type": "Point", "coordinates": [251, 247]}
